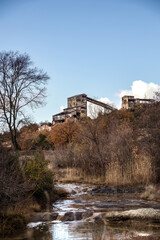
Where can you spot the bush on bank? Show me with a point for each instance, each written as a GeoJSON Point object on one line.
{"type": "Point", "coordinates": [26, 185]}
{"type": "Point", "coordinates": [36, 171]}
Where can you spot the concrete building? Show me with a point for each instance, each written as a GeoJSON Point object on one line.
{"type": "Point", "coordinates": [78, 106]}
{"type": "Point", "coordinates": [45, 127]}
{"type": "Point", "coordinates": [129, 102]}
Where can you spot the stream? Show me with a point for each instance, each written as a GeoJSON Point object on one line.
{"type": "Point", "coordinates": [77, 217]}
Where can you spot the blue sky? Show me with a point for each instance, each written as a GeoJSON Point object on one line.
{"type": "Point", "coordinates": [97, 47]}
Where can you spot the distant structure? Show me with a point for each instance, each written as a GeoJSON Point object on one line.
{"type": "Point", "coordinates": [77, 107]}
{"type": "Point", "coordinates": [45, 127]}
{"type": "Point", "coordinates": [129, 102]}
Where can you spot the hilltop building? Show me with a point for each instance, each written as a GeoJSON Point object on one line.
{"type": "Point", "coordinates": [78, 106]}
{"type": "Point", "coordinates": [45, 127]}
{"type": "Point", "coordinates": [129, 102]}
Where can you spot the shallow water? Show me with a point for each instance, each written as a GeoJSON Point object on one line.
{"type": "Point", "coordinates": [81, 200]}
{"type": "Point", "coordinates": [90, 231]}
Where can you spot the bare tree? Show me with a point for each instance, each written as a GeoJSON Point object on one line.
{"type": "Point", "coordinates": [21, 86]}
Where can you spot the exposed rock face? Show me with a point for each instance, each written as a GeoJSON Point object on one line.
{"type": "Point", "coordinates": [139, 214]}
{"type": "Point", "coordinates": [142, 213]}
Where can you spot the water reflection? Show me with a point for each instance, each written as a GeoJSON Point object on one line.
{"type": "Point", "coordinates": [89, 231]}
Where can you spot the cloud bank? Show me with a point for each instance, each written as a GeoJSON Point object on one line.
{"type": "Point", "coordinates": [62, 108]}
{"type": "Point", "coordinates": [140, 89]}
{"type": "Point", "coordinates": [104, 100]}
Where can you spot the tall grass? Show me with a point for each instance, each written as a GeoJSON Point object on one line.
{"type": "Point", "coordinates": [138, 172]}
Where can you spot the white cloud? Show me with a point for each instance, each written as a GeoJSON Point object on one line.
{"type": "Point", "coordinates": [140, 89]}
{"type": "Point", "coordinates": [105, 100]}
{"type": "Point", "coordinates": [62, 108]}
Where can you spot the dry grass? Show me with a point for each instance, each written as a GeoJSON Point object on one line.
{"type": "Point", "coordinates": [137, 172]}
{"type": "Point", "coordinates": [69, 175]}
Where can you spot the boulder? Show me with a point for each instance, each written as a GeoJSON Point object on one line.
{"type": "Point", "coordinates": [54, 216]}
{"type": "Point", "coordinates": [78, 216]}
{"type": "Point", "coordinates": [68, 216]}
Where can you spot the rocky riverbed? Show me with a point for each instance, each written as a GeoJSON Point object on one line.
{"type": "Point", "coordinates": [95, 213]}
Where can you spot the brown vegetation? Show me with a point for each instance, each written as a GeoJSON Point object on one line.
{"type": "Point", "coordinates": [121, 148]}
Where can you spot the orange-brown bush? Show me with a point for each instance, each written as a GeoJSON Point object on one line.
{"type": "Point", "coordinates": [63, 133]}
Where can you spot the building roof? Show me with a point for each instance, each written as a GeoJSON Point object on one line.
{"type": "Point", "coordinates": [78, 95]}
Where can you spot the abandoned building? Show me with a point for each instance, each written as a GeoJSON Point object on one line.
{"type": "Point", "coordinates": [78, 106]}
{"type": "Point", "coordinates": [45, 127]}
{"type": "Point", "coordinates": [129, 102]}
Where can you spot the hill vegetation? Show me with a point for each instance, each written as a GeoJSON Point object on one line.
{"type": "Point", "coordinates": [121, 148]}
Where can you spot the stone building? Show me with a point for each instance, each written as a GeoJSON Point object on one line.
{"type": "Point", "coordinates": [129, 102]}
{"type": "Point", "coordinates": [78, 107]}
{"type": "Point", "coordinates": [45, 127]}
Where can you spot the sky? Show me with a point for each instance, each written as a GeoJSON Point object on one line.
{"type": "Point", "coordinates": [104, 48]}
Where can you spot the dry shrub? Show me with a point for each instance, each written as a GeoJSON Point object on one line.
{"type": "Point", "coordinates": [120, 148]}
{"type": "Point", "coordinates": [143, 172]}
{"type": "Point", "coordinates": [140, 172]}
{"type": "Point", "coordinates": [115, 175]}
{"type": "Point", "coordinates": [69, 175]}
{"type": "Point", "coordinates": [15, 188]}
{"type": "Point", "coordinates": [63, 133]}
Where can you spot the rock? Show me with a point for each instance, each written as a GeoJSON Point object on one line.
{"type": "Point", "coordinates": [78, 215]}
{"type": "Point", "coordinates": [102, 190]}
{"type": "Point", "coordinates": [87, 214]}
{"type": "Point", "coordinates": [96, 189]}
{"type": "Point", "coordinates": [78, 200]}
{"type": "Point", "coordinates": [54, 216]}
{"type": "Point", "coordinates": [85, 189]}
{"type": "Point", "coordinates": [69, 216]}
{"type": "Point", "coordinates": [73, 192]}
{"type": "Point", "coordinates": [98, 219]}
{"type": "Point", "coordinates": [138, 214]}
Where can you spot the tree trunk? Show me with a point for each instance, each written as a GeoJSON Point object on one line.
{"type": "Point", "coordinates": [14, 141]}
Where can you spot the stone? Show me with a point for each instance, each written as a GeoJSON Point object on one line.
{"type": "Point", "coordinates": [78, 215]}
{"type": "Point", "coordinates": [68, 216]}
{"type": "Point", "coordinates": [138, 214]}
{"type": "Point", "coordinates": [87, 214]}
{"type": "Point", "coordinates": [73, 192]}
{"type": "Point", "coordinates": [54, 216]}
